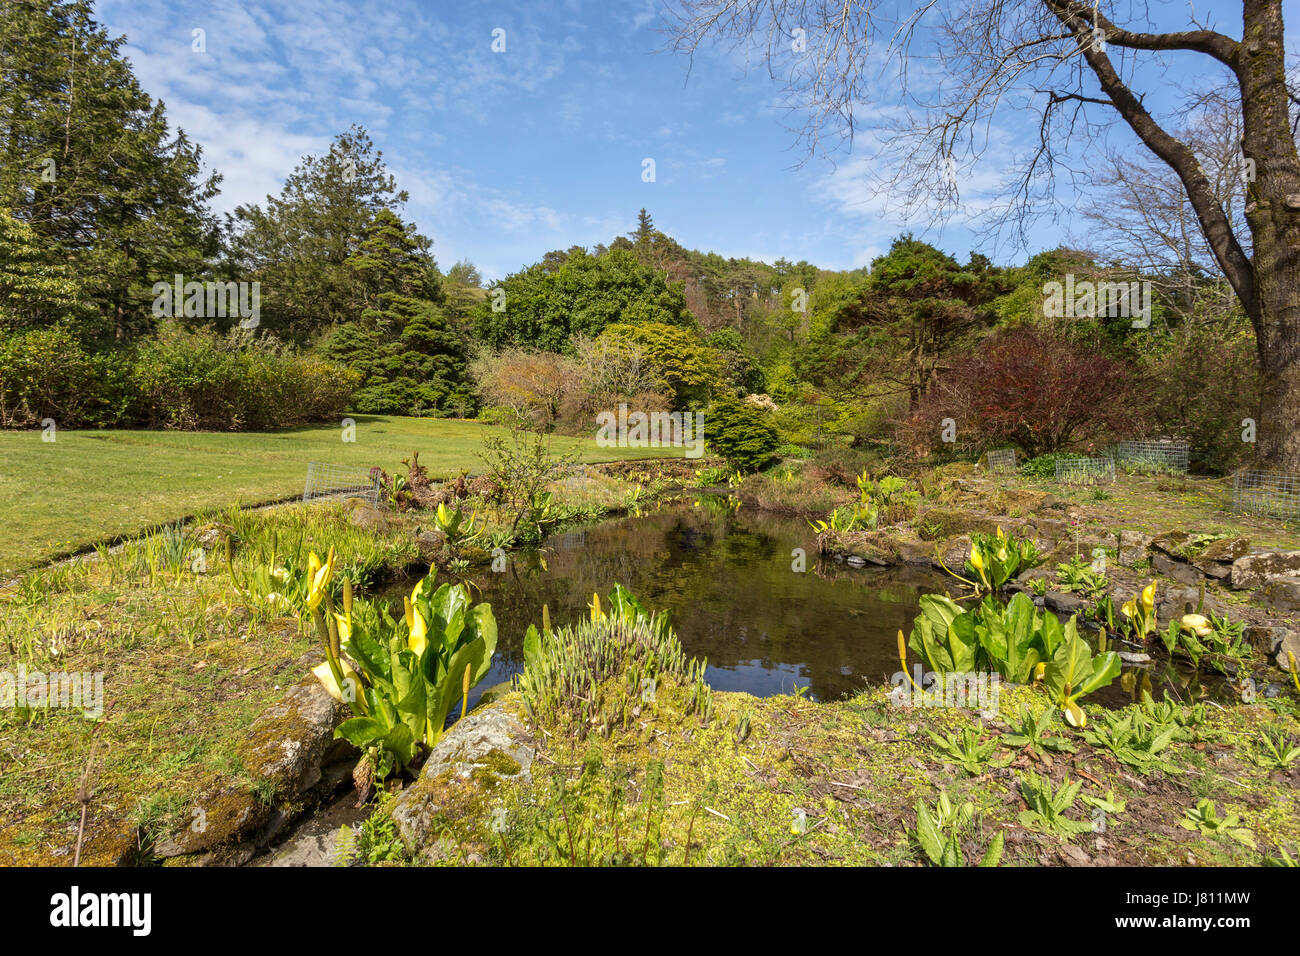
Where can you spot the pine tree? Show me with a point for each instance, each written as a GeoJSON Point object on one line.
{"type": "Point", "coordinates": [301, 243]}
{"type": "Point", "coordinates": [89, 162]}
{"type": "Point", "coordinates": [411, 357]}
{"type": "Point", "coordinates": [645, 229]}
{"type": "Point", "coordinates": [37, 288]}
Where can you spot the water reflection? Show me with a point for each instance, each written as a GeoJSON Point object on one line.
{"type": "Point", "coordinates": [726, 579]}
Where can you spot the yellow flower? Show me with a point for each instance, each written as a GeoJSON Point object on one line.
{"type": "Point", "coordinates": [1001, 536]}
{"type": "Point", "coordinates": [326, 677]}
{"type": "Point", "coordinates": [320, 576]}
{"type": "Point", "coordinates": [418, 639]}
{"type": "Point", "coordinates": [976, 559]}
{"type": "Point", "coordinates": [1074, 715]}
{"type": "Point", "coordinates": [596, 613]}
{"type": "Point", "coordinates": [1149, 596]}
{"type": "Point", "coordinates": [1197, 624]}
{"type": "Point", "coordinates": [1129, 608]}
{"type": "Point", "coordinates": [345, 626]}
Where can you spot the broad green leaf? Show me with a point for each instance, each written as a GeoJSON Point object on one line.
{"type": "Point", "coordinates": [928, 835]}
{"type": "Point", "coordinates": [361, 732]}
{"type": "Point", "coordinates": [994, 855]}
{"type": "Point", "coordinates": [1105, 668]}
{"type": "Point", "coordinates": [1069, 666]}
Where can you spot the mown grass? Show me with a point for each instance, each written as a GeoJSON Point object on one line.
{"type": "Point", "coordinates": [86, 487]}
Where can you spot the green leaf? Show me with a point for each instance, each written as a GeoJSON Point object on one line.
{"type": "Point", "coordinates": [362, 732]}
{"type": "Point", "coordinates": [994, 854]}
{"type": "Point", "coordinates": [448, 692]}
{"type": "Point", "coordinates": [532, 648]}
{"type": "Point", "coordinates": [1069, 667]}
{"type": "Point", "coordinates": [928, 835]}
{"type": "Point", "coordinates": [401, 743]}
{"type": "Point", "coordinates": [1105, 668]}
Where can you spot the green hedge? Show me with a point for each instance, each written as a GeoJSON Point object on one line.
{"type": "Point", "coordinates": [179, 379]}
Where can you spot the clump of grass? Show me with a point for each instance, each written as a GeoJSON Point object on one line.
{"type": "Point", "coordinates": [602, 673]}
{"type": "Point", "coordinates": [791, 492]}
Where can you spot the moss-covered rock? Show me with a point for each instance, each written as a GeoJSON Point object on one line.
{"type": "Point", "coordinates": [487, 748]}
{"type": "Point", "coordinates": [283, 754]}
{"type": "Point", "coordinates": [1252, 570]}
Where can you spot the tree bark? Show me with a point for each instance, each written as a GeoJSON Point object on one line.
{"type": "Point", "coordinates": [1273, 215]}
{"type": "Point", "coordinates": [1267, 281]}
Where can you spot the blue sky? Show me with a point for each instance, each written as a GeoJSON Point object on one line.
{"type": "Point", "coordinates": [508, 155]}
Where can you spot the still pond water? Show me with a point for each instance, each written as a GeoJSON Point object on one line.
{"type": "Point", "coordinates": [725, 577]}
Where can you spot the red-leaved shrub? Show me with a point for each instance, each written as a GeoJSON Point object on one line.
{"type": "Point", "coordinates": [1029, 387]}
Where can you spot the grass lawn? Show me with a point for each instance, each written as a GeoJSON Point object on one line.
{"type": "Point", "coordinates": [90, 486]}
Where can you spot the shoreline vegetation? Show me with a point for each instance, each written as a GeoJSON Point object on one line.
{"type": "Point", "coordinates": [209, 673]}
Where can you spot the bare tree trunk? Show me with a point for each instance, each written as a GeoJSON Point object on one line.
{"type": "Point", "coordinates": [1273, 215]}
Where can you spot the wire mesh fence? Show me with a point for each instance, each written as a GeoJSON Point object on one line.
{"type": "Point", "coordinates": [1165, 455]}
{"type": "Point", "coordinates": [1001, 461]}
{"type": "Point", "coordinates": [1266, 493]}
{"type": "Point", "coordinates": [1084, 471]}
{"type": "Point", "coordinates": [340, 481]}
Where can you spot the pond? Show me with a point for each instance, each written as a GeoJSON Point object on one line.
{"type": "Point", "coordinates": [726, 579]}
{"type": "Point", "coordinates": [725, 576]}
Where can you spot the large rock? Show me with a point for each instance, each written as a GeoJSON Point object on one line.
{"type": "Point", "coordinates": [1063, 603]}
{"type": "Point", "coordinates": [1266, 639]}
{"type": "Point", "coordinates": [1223, 551]}
{"type": "Point", "coordinates": [939, 523]}
{"type": "Point", "coordinates": [479, 753]}
{"type": "Point", "coordinates": [1161, 563]}
{"type": "Point", "coordinates": [370, 517]}
{"type": "Point", "coordinates": [914, 551]}
{"type": "Point", "coordinates": [430, 542]}
{"type": "Point", "coordinates": [284, 753]}
{"type": "Point", "coordinates": [867, 547]}
{"type": "Point", "coordinates": [1173, 543]}
{"type": "Point", "coordinates": [1252, 570]}
{"type": "Point", "coordinates": [1281, 593]}
{"type": "Point", "coordinates": [1132, 547]}
{"type": "Point", "coordinates": [1174, 602]}
{"type": "Point", "coordinates": [1289, 645]}
{"type": "Point", "coordinates": [953, 553]}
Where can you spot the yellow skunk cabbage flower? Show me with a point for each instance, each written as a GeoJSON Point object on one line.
{"type": "Point", "coordinates": [976, 559]}
{"type": "Point", "coordinates": [1040, 669]}
{"type": "Point", "coordinates": [319, 576]}
{"type": "Point", "coordinates": [596, 613]}
{"type": "Point", "coordinates": [1149, 596]}
{"type": "Point", "coordinates": [1197, 624]}
{"type": "Point", "coordinates": [326, 677]}
{"type": "Point", "coordinates": [1129, 608]}
{"type": "Point", "coordinates": [418, 639]}
{"type": "Point", "coordinates": [1001, 536]}
{"type": "Point", "coordinates": [1074, 715]}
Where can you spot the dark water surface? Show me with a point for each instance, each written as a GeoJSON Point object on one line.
{"type": "Point", "coordinates": [725, 578]}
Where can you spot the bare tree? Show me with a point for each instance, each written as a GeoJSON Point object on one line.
{"type": "Point", "coordinates": [1141, 217]}
{"type": "Point", "coordinates": [1076, 71]}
